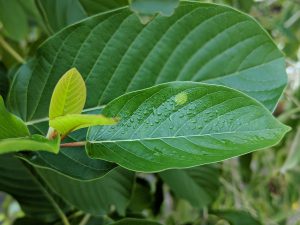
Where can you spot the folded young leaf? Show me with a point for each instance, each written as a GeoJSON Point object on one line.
{"type": "Point", "coordinates": [182, 124]}
{"type": "Point", "coordinates": [68, 96]}
{"type": "Point", "coordinates": [68, 123]}
{"type": "Point", "coordinates": [10, 125]}
{"type": "Point", "coordinates": [31, 143]}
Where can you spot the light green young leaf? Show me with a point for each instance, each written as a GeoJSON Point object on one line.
{"type": "Point", "coordinates": [69, 95]}
{"type": "Point", "coordinates": [32, 143]}
{"type": "Point", "coordinates": [182, 124]}
{"type": "Point", "coordinates": [10, 125]}
{"type": "Point", "coordinates": [147, 9]}
{"type": "Point", "coordinates": [68, 123]}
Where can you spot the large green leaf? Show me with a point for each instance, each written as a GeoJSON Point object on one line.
{"type": "Point", "coordinates": [197, 185]}
{"type": "Point", "coordinates": [182, 124]}
{"type": "Point", "coordinates": [115, 54]}
{"type": "Point", "coordinates": [66, 124]}
{"type": "Point", "coordinates": [97, 196]}
{"type": "Point", "coordinates": [17, 180]}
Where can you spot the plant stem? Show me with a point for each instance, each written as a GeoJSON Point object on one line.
{"type": "Point", "coordinates": [39, 180]}
{"type": "Point", "coordinates": [11, 51]}
{"type": "Point", "coordinates": [74, 144]}
{"type": "Point", "coordinates": [85, 219]}
{"type": "Point", "coordinates": [61, 214]}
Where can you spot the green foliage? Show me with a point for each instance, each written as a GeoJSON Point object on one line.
{"type": "Point", "coordinates": [165, 86]}
{"type": "Point", "coordinates": [159, 131]}
{"type": "Point", "coordinates": [20, 183]}
{"type": "Point", "coordinates": [198, 185]}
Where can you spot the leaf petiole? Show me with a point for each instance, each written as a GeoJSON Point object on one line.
{"type": "Point", "coordinates": [73, 144]}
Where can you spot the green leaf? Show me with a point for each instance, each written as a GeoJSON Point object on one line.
{"type": "Point", "coordinates": [198, 185]}
{"type": "Point", "coordinates": [147, 9]}
{"type": "Point", "coordinates": [17, 180]}
{"type": "Point", "coordinates": [10, 125]}
{"type": "Point", "coordinates": [72, 162]}
{"type": "Point", "coordinates": [68, 96]}
{"type": "Point", "coordinates": [180, 125]}
{"type": "Point", "coordinates": [14, 135]}
{"type": "Point", "coordinates": [14, 19]}
{"type": "Point", "coordinates": [199, 42]}
{"type": "Point", "coordinates": [58, 14]}
{"type": "Point", "coordinates": [33, 143]}
{"type": "Point", "coordinates": [96, 196]}
{"type": "Point", "coordinates": [66, 124]}
{"type": "Point", "coordinates": [235, 217]}
{"type": "Point", "coordinates": [133, 221]}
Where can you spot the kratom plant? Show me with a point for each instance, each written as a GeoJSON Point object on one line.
{"type": "Point", "coordinates": [173, 92]}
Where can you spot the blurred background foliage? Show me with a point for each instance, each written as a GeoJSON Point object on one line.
{"type": "Point", "coordinates": [263, 186]}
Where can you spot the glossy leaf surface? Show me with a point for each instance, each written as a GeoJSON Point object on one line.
{"type": "Point", "coordinates": [180, 125]}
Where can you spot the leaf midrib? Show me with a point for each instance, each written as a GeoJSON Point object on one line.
{"type": "Point", "coordinates": [187, 136]}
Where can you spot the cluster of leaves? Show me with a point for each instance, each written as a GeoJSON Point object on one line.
{"type": "Point", "coordinates": [164, 87]}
